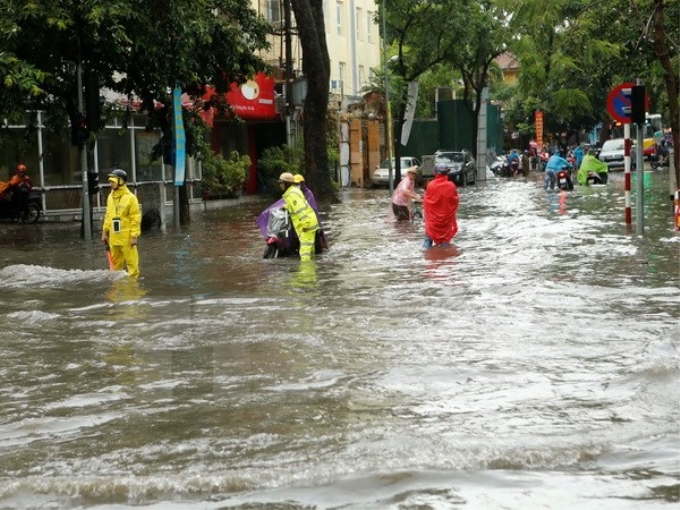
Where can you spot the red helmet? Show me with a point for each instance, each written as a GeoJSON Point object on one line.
{"type": "Point", "coordinates": [21, 168]}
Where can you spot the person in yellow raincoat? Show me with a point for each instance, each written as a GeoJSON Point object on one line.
{"type": "Point", "coordinates": [301, 214]}
{"type": "Point", "coordinates": [122, 224]}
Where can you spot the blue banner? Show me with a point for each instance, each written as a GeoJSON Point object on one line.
{"type": "Point", "coordinates": [180, 137]}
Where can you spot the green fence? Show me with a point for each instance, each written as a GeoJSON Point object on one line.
{"type": "Point", "coordinates": [453, 130]}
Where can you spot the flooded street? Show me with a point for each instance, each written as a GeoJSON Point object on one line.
{"type": "Point", "coordinates": [535, 365]}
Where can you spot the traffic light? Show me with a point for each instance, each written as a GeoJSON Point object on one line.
{"type": "Point", "coordinates": [92, 183]}
{"type": "Point", "coordinates": [637, 97]}
{"type": "Point", "coordinates": [79, 131]}
{"type": "Point", "coordinates": [93, 107]}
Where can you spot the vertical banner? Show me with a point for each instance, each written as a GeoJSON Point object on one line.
{"type": "Point", "coordinates": [179, 138]}
{"type": "Point", "coordinates": [410, 111]}
{"type": "Point", "coordinates": [539, 129]}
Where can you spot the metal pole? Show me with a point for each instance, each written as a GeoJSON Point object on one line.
{"type": "Point", "coordinates": [289, 72]}
{"type": "Point", "coordinates": [640, 209]}
{"type": "Point", "coordinates": [87, 224]}
{"type": "Point", "coordinates": [626, 168]}
{"type": "Point", "coordinates": [388, 108]}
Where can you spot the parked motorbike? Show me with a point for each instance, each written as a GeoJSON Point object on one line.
{"type": "Point", "coordinates": [30, 213]}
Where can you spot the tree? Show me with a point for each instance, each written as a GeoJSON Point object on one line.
{"type": "Point", "coordinates": [316, 67]}
{"type": "Point", "coordinates": [486, 40]}
{"type": "Point", "coordinates": [421, 35]}
{"type": "Point", "coordinates": [139, 49]}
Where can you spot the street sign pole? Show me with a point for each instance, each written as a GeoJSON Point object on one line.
{"type": "Point", "coordinates": [640, 166]}
{"type": "Point", "coordinates": [640, 204]}
{"type": "Point", "coordinates": [626, 168]}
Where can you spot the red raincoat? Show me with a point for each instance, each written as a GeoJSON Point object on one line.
{"type": "Point", "coordinates": [439, 207]}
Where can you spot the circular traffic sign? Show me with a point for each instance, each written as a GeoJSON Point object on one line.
{"type": "Point", "coordinates": [617, 101]}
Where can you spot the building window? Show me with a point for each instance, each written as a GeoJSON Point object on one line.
{"type": "Point", "coordinates": [369, 26]}
{"type": "Point", "coordinates": [362, 77]}
{"type": "Point", "coordinates": [274, 11]}
{"type": "Point", "coordinates": [338, 17]}
{"type": "Point", "coordinates": [342, 66]}
{"type": "Point", "coordinates": [359, 24]}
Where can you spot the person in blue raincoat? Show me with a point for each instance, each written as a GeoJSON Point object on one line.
{"type": "Point", "coordinates": [554, 165]}
{"type": "Point", "coordinates": [578, 157]}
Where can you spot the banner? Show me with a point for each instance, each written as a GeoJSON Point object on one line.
{"type": "Point", "coordinates": [539, 129]}
{"type": "Point", "coordinates": [410, 111]}
{"type": "Point", "coordinates": [179, 138]}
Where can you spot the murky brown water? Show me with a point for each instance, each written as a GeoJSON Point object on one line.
{"type": "Point", "coordinates": [534, 365]}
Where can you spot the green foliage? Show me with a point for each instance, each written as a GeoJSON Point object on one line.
{"type": "Point", "coordinates": [138, 49]}
{"type": "Point", "coordinates": [276, 160]}
{"type": "Point", "coordinates": [224, 176]}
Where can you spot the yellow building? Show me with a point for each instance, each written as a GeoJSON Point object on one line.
{"type": "Point", "coordinates": [352, 37]}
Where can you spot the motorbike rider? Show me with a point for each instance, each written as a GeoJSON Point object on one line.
{"type": "Point", "coordinates": [554, 165]}
{"type": "Point", "coordinates": [440, 204]}
{"type": "Point", "coordinates": [302, 215]}
{"type": "Point", "coordinates": [592, 169]}
{"type": "Point", "coordinates": [17, 190]}
{"type": "Point", "coordinates": [122, 224]}
{"type": "Point", "coordinates": [514, 162]}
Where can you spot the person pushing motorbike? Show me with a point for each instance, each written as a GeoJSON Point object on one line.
{"type": "Point", "coordinates": [301, 213]}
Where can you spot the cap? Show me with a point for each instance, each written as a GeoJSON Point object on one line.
{"type": "Point", "coordinates": [441, 168]}
{"type": "Point", "coordinates": [412, 170]}
{"type": "Point", "coordinates": [298, 178]}
{"type": "Point", "coordinates": [286, 177]}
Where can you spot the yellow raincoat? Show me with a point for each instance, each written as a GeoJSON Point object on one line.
{"type": "Point", "coordinates": [122, 223]}
{"type": "Point", "coordinates": [304, 220]}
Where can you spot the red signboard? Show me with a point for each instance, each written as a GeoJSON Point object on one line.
{"type": "Point", "coordinates": [252, 100]}
{"type": "Point", "coordinates": [539, 128]}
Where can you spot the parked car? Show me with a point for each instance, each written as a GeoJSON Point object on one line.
{"type": "Point", "coordinates": [381, 174]}
{"type": "Point", "coordinates": [461, 164]}
{"type": "Point", "coordinates": [612, 153]}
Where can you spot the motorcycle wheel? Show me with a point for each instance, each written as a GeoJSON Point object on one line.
{"type": "Point", "coordinates": [32, 213]}
{"type": "Point", "coordinates": [270, 252]}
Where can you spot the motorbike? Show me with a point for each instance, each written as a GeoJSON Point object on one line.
{"type": "Point", "coordinates": [659, 161]}
{"type": "Point", "coordinates": [279, 235]}
{"type": "Point", "coordinates": [564, 181]}
{"type": "Point", "coordinates": [277, 231]}
{"type": "Point", "coordinates": [503, 168]}
{"type": "Point", "coordinates": [10, 207]}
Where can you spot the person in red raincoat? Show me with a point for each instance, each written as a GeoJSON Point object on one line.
{"type": "Point", "coordinates": [439, 209]}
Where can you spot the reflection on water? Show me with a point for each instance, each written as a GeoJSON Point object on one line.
{"type": "Point", "coordinates": [534, 364]}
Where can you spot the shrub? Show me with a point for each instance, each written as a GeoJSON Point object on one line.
{"type": "Point", "coordinates": [224, 176]}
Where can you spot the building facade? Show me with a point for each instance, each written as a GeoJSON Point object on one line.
{"type": "Point", "coordinates": [354, 46]}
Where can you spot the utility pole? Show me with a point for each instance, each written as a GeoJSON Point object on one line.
{"type": "Point", "coordinates": [82, 147]}
{"type": "Point", "coordinates": [388, 109]}
{"type": "Point", "coordinates": [289, 71]}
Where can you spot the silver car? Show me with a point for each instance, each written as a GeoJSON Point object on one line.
{"type": "Point", "coordinates": [381, 174]}
{"type": "Point", "coordinates": [612, 153]}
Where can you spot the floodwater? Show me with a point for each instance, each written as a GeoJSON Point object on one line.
{"type": "Point", "coordinates": [535, 365]}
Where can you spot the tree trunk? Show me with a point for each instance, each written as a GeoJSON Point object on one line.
{"type": "Point", "coordinates": [672, 82]}
{"type": "Point", "coordinates": [316, 67]}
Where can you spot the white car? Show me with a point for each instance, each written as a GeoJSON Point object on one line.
{"type": "Point", "coordinates": [612, 153]}
{"type": "Point", "coordinates": [381, 174]}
